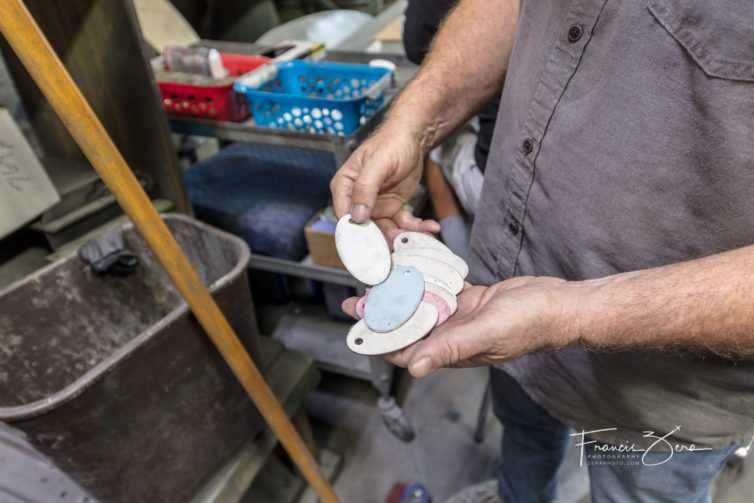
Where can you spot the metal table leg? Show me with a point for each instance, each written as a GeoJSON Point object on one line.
{"type": "Point", "coordinates": [484, 409]}
{"type": "Point", "coordinates": [393, 416]}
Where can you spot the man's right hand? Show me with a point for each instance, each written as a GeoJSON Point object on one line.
{"type": "Point", "coordinates": [451, 86]}
{"type": "Point", "coordinates": [378, 179]}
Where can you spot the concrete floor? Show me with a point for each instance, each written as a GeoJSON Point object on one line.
{"type": "Point", "coordinates": [443, 456]}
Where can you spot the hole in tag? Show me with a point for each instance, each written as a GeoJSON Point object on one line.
{"type": "Point", "coordinates": [358, 341]}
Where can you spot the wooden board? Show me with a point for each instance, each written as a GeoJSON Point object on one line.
{"type": "Point", "coordinates": [99, 42]}
{"type": "Point", "coordinates": [25, 189]}
{"type": "Point", "coordinates": [162, 24]}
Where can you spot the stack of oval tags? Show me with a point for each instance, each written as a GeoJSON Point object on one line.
{"type": "Point", "coordinates": [413, 289]}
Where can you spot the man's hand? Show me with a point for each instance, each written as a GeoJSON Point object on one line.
{"type": "Point", "coordinates": [495, 324]}
{"type": "Point", "coordinates": [449, 88]}
{"type": "Point", "coordinates": [703, 305]}
{"type": "Point", "coordinates": [378, 179]}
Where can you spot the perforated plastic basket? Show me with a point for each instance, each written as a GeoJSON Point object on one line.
{"type": "Point", "coordinates": [318, 97]}
{"type": "Point", "coordinates": [239, 64]}
{"type": "Point", "coordinates": [199, 96]}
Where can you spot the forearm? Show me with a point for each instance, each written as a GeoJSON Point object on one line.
{"type": "Point", "coordinates": [464, 69]}
{"type": "Point", "coordinates": [703, 304]}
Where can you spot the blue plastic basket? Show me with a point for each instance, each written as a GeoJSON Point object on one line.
{"type": "Point", "coordinates": [317, 97]}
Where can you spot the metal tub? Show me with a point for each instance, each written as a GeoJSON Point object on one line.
{"type": "Point", "coordinates": [113, 379]}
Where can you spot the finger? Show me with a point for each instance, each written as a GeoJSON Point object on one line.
{"type": "Point", "coordinates": [401, 357]}
{"type": "Point", "coordinates": [407, 357]}
{"type": "Point", "coordinates": [388, 228]}
{"type": "Point", "coordinates": [341, 187]}
{"type": "Point", "coordinates": [470, 299]}
{"type": "Point", "coordinates": [393, 233]}
{"type": "Point", "coordinates": [349, 307]}
{"type": "Point", "coordinates": [397, 231]}
{"type": "Point", "coordinates": [448, 346]}
{"type": "Point", "coordinates": [428, 356]}
{"type": "Point", "coordinates": [431, 226]}
{"type": "Point", "coordinates": [407, 221]}
{"type": "Point", "coordinates": [425, 360]}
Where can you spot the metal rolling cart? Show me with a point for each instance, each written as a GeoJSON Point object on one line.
{"type": "Point", "coordinates": [319, 337]}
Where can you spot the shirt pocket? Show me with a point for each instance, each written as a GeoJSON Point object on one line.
{"type": "Point", "coordinates": [717, 34]}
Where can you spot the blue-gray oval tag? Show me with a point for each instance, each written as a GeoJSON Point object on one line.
{"type": "Point", "coordinates": [391, 303]}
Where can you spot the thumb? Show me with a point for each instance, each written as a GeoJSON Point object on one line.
{"type": "Point", "coordinates": [433, 353]}
{"type": "Point", "coordinates": [421, 367]}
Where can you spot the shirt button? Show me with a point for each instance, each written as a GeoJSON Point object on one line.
{"type": "Point", "coordinates": [574, 33]}
{"type": "Point", "coordinates": [527, 146]}
{"type": "Point", "coordinates": [514, 228]}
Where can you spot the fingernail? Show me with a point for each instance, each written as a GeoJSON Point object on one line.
{"type": "Point", "coordinates": [421, 368]}
{"type": "Point", "coordinates": [359, 212]}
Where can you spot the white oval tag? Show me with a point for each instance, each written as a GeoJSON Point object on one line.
{"type": "Point", "coordinates": [446, 256]}
{"type": "Point", "coordinates": [410, 239]}
{"type": "Point", "coordinates": [363, 250]}
{"type": "Point", "coordinates": [364, 341]}
{"type": "Point", "coordinates": [430, 267]}
{"type": "Point", "coordinates": [443, 293]}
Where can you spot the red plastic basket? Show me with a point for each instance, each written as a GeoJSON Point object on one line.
{"type": "Point", "coordinates": [238, 64]}
{"type": "Point", "coordinates": [214, 101]}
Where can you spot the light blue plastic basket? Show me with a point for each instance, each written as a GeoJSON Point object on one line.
{"type": "Point", "coordinates": [317, 97]}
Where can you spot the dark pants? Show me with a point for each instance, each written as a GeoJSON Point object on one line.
{"type": "Point", "coordinates": [535, 443]}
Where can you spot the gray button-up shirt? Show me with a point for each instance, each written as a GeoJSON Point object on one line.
{"type": "Point", "coordinates": [625, 140]}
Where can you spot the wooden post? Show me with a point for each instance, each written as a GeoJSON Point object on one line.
{"type": "Point", "coordinates": [40, 60]}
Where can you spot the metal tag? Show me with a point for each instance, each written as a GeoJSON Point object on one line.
{"type": "Point", "coordinates": [395, 300]}
{"type": "Point", "coordinates": [430, 267]}
{"type": "Point", "coordinates": [446, 256]}
{"type": "Point", "coordinates": [364, 341]}
{"type": "Point", "coordinates": [363, 250]}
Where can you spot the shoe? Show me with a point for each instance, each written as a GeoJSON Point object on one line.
{"type": "Point", "coordinates": [484, 492]}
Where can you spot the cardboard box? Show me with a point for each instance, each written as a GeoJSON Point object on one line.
{"type": "Point", "coordinates": [322, 245]}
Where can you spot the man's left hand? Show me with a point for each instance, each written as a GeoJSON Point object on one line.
{"type": "Point", "coordinates": [495, 324]}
